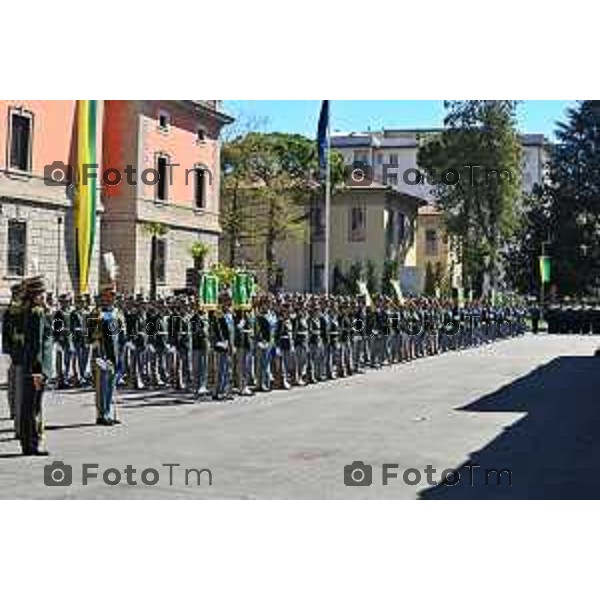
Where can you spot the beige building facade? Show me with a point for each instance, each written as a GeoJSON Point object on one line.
{"type": "Point", "coordinates": [391, 158]}
{"type": "Point", "coordinates": [372, 223]}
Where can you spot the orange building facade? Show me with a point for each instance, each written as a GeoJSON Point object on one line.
{"type": "Point", "coordinates": [137, 137]}
{"type": "Point", "coordinates": [36, 219]}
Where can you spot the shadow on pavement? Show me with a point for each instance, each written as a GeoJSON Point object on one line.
{"type": "Point", "coordinates": [70, 426]}
{"type": "Point", "coordinates": [552, 452]}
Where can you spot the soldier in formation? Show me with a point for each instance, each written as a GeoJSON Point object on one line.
{"type": "Point", "coordinates": [277, 341]}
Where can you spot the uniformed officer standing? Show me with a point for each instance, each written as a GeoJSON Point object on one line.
{"type": "Point", "coordinates": [224, 344]}
{"type": "Point", "coordinates": [301, 343]}
{"type": "Point", "coordinates": [200, 327]}
{"type": "Point", "coordinates": [108, 328]}
{"type": "Point", "coordinates": [12, 344]}
{"type": "Point", "coordinates": [266, 325]}
{"type": "Point", "coordinates": [244, 350]}
{"type": "Point", "coordinates": [37, 366]}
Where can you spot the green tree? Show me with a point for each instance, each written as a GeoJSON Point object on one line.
{"type": "Point", "coordinates": [573, 194]}
{"type": "Point", "coordinates": [474, 166]}
{"type": "Point", "coordinates": [371, 277]}
{"type": "Point", "coordinates": [269, 184]}
{"type": "Point", "coordinates": [354, 276]}
{"type": "Point", "coordinates": [524, 247]}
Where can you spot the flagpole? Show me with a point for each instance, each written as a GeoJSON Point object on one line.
{"type": "Point", "coordinates": [327, 207]}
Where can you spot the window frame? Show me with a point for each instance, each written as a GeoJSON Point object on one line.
{"type": "Point", "coordinates": [164, 113]}
{"type": "Point", "coordinates": [167, 158]}
{"type": "Point", "coordinates": [10, 249]}
{"type": "Point", "coordinates": [201, 135]}
{"type": "Point", "coordinates": [28, 114]}
{"type": "Point", "coordinates": [200, 169]}
{"type": "Point", "coordinates": [434, 241]}
{"type": "Point", "coordinates": [356, 234]}
{"type": "Point", "coordinates": [161, 278]}
{"type": "Point", "coordinates": [318, 226]}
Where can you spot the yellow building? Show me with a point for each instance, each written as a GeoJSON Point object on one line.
{"type": "Point", "coordinates": [374, 223]}
{"type": "Point", "coordinates": [434, 251]}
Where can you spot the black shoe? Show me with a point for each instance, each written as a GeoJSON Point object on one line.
{"type": "Point", "coordinates": [115, 422]}
{"type": "Point", "coordinates": [41, 453]}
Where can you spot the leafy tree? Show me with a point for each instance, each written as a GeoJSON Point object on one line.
{"type": "Point", "coordinates": [389, 273]}
{"type": "Point", "coordinates": [474, 166]}
{"type": "Point", "coordinates": [371, 276]}
{"type": "Point", "coordinates": [524, 247]}
{"type": "Point", "coordinates": [269, 183]}
{"type": "Point", "coordinates": [355, 274]}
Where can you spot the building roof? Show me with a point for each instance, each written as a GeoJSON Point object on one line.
{"type": "Point", "coordinates": [407, 138]}
{"type": "Point", "coordinates": [377, 186]}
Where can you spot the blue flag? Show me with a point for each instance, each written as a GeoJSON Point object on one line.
{"type": "Point", "coordinates": [322, 136]}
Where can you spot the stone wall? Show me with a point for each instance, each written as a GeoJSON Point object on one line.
{"type": "Point", "coordinates": [50, 248]}
{"type": "Point", "coordinates": [178, 257]}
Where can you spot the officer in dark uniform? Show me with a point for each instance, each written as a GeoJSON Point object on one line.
{"type": "Point", "coordinates": [301, 343]}
{"type": "Point", "coordinates": [224, 344]}
{"type": "Point", "coordinates": [244, 350]}
{"type": "Point", "coordinates": [37, 366]}
{"type": "Point", "coordinates": [12, 344]}
{"type": "Point", "coordinates": [200, 326]}
{"type": "Point", "coordinates": [107, 330]}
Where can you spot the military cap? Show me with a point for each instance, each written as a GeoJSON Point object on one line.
{"type": "Point", "coordinates": [35, 285]}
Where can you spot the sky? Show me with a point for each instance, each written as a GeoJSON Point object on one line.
{"type": "Point", "coordinates": [300, 116]}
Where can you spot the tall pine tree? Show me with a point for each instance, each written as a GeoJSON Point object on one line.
{"type": "Point", "coordinates": [574, 193]}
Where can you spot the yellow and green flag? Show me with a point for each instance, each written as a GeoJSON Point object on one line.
{"type": "Point", "coordinates": [85, 191]}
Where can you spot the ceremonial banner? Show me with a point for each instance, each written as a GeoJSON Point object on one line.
{"type": "Point", "coordinates": [243, 288]}
{"type": "Point", "coordinates": [85, 191]}
{"type": "Point", "coordinates": [545, 269]}
{"type": "Point", "coordinates": [208, 292]}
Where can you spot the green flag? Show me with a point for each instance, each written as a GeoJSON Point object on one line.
{"type": "Point", "coordinates": [545, 269]}
{"type": "Point", "coordinates": [209, 289]}
{"type": "Point", "coordinates": [243, 287]}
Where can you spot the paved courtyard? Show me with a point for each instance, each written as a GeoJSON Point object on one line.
{"type": "Point", "coordinates": [525, 410]}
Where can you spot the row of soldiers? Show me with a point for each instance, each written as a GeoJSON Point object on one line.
{"type": "Point", "coordinates": [277, 341]}
{"type": "Point", "coordinates": [578, 317]}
